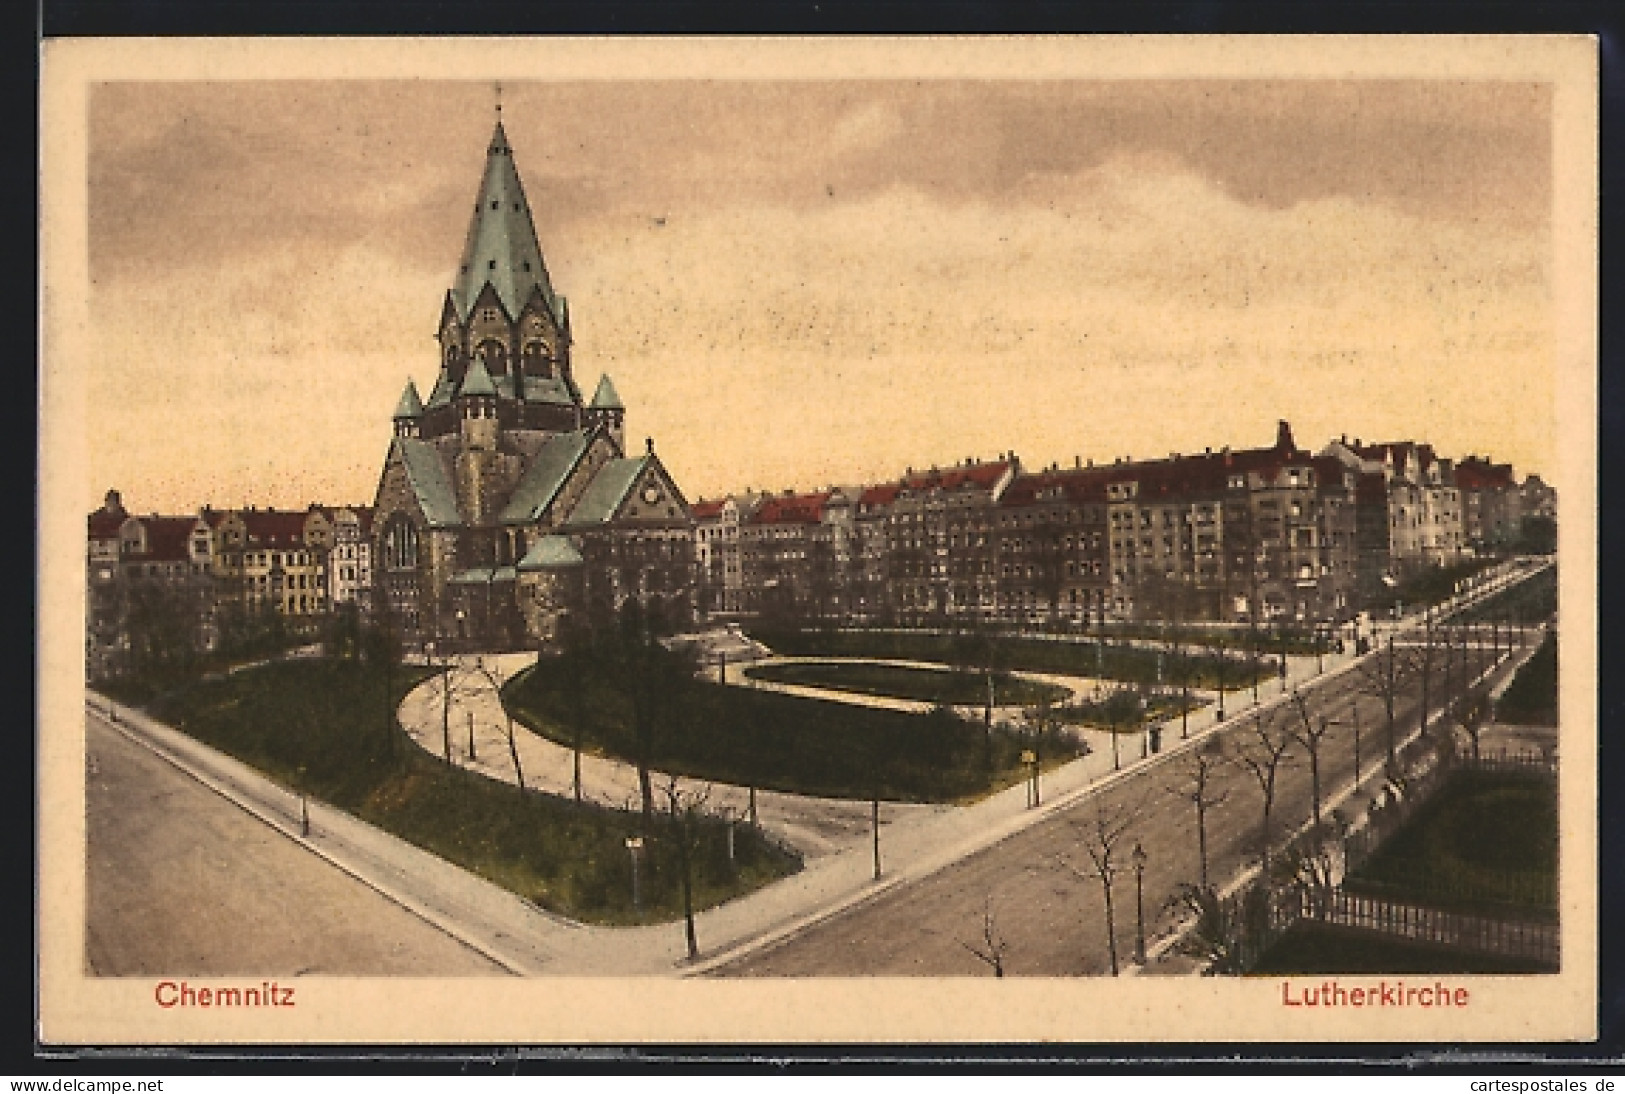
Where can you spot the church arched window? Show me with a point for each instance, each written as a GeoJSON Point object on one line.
{"type": "Point", "coordinates": [401, 544]}
{"type": "Point", "coordinates": [495, 356]}
{"type": "Point", "coordinates": [538, 361]}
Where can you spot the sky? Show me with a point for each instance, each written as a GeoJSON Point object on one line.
{"type": "Point", "coordinates": [802, 283]}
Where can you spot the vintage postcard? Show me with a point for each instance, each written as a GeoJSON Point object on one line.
{"type": "Point", "coordinates": [855, 540]}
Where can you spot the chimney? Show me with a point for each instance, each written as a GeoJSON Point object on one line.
{"type": "Point", "coordinates": [1091, 461]}
{"type": "Point", "coordinates": [1283, 436]}
{"type": "Point", "coordinates": [1077, 462]}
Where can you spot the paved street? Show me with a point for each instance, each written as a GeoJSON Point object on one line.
{"type": "Point", "coordinates": [182, 881]}
{"type": "Point", "coordinates": [270, 904]}
{"type": "Point", "coordinates": [1053, 920]}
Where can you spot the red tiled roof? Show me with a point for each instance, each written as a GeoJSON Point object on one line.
{"type": "Point", "coordinates": [105, 525]}
{"type": "Point", "coordinates": [167, 539]}
{"type": "Point", "coordinates": [1476, 474]}
{"type": "Point", "coordinates": [982, 475]}
{"type": "Point", "coordinates": [274, 527]}
{"type": "Point", "coordinates": [1077, 485]}
{"type": "Point", "coordinates": [883, 494]}
{"type": "Point", "coordinates": [1421, 454]}
{"type": "Point", "coordinates": [791, 509]}
{"type": "Point", "coordinates": [1182, 476]}
{"type": "Point", "coordinates": [705, 510]}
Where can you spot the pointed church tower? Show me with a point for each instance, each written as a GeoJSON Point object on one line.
{"type": "Point", "coordinates": [608, 411]}
{"type": "Point", "coordinates": [502, 308]}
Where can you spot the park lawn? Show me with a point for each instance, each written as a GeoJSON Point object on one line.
{"type": "Point", "coordinates": [1531, 698]}
{"type": "Point", "coordinates": [1485, 843]}
{"type": "Point", "coordinates": [905, 682]}
{"type": "Point", "coordinates": [774, 741]}
{"type": "Point", "coordinates": [1131, 664]}
{"type": "Point", "coordinates": [328, 728]}
{"type": "Point", "coordinates": [1309, 947]}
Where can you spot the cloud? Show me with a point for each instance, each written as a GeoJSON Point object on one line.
{"type": "Point", "coordinates": [795, 284]}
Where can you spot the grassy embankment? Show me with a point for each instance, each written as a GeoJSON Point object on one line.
{"type": "Point", "coordinates": [1123, 663]}
{"type": "Point", "coordinates": [1485, 843]}
{"type": "Point", "coordinates": [775, 741]}
{"type": "Point", "coordinates": [1531, 698]}
{"type": "Point", "coordinates": [1310, 947]}
{"type": "Point", "coordinates": [328, 728]}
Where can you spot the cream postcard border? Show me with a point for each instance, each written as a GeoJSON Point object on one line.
{"type": "Point", "coordinates": [75, 1009]}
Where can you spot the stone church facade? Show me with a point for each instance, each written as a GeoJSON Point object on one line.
{"type": "Point", "coordinates": [507, 499]}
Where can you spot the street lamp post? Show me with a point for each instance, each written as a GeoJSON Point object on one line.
{"type": "Point", "coordinates": [1139, 858]}
{"type": "Point", "coordinates": [1030, 759]}
{"type": "Point", "coordinates": [304, 805]}
{"type": "Point", "coordinates": [1354, 715]}
{"type": "Point", "coordinates": [634, 846]}
{"type": "Point", "coordinates": [874, 823]}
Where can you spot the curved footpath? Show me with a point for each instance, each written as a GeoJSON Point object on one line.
{"type": "Point", "coordinates": [915, 840]}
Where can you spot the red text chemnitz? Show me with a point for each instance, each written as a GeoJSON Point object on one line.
{"type": "Point", "coordinates": [268, 993]}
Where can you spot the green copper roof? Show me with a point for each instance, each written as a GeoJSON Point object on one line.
{"type": "Point", "coordinates": [605, 398]}
{"type": "Point", "coordinates": [545, 477]}
{"type": "Point", "coordinates": [541, 390]}
{"type": "Point", "coordinates": [605, 493]}
{"type": "Point", "coordinates": [501, 247]}
{"type": "Point", "coordinates": [481, 575]}
{"type": "Point", "coordinates": [551, 553]}
{"type": "Point", "coordinates": [427, 476]}
{"type": "Point", "coordinates": [477, 381]}
{"type": "Point", "coordinates": [441, 395]}
{"type": "Point", "coordinates": [410, 405]}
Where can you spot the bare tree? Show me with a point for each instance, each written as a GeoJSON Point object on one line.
{"type": "Point", "coordinates": [1423, 662]}
{"type": "Point", "coordinates": [450, 688]}
{"type": "Point", "coordinates": [1262, 755]}
{"type": "Point", "coordinates": [683, 810]}
{"type": "Point", "coordinates": [1309, 733]}
{"type": "Point", "coordinates": [1383, 676]}
{"type": "Point", "coordinates": [493, 676]}
{"type": "Point", "coordinates": [991, 949]}
{"type": "Point", "coordinates": [1101, 836]}
{"type": "Point", "coordinates": [1198, 768]}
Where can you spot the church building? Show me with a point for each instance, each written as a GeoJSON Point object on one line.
{"type": "Point", "coordinates": [507, 499]}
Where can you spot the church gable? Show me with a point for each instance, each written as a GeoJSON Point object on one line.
{"type": "Point", "coordinates": [630, 491]}
{"type": "Point", "coordinates": [654, 497]}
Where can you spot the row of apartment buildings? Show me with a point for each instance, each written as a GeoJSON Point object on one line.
{"type": "Point", "coordinates": [1277, 534]}
{"type": "Point", "coordinates": [1273, 534]}
{"type": "Point", "coordinates": [297, 564]}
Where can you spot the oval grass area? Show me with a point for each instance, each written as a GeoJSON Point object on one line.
{"type": "Point", "coordinates": [925, 685]}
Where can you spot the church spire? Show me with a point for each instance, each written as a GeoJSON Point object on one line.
{"type": "Point", "coordinates": [501, 249]}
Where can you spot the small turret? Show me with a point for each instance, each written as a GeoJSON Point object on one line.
{"type": "Point", "coordinates": [607, 410]}
{"type": "Point", "coordinates": [409, 412]}
{"type": "Point", "coordinates": [477, 407]}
